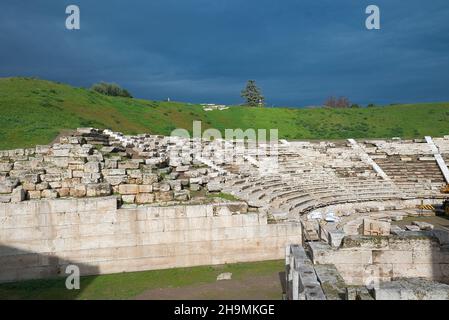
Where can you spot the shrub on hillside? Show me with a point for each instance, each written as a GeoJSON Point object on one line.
{"type": "Point", "coordinates": [341, 102]}
{"type": "Point", "coordinates": [111, 89]}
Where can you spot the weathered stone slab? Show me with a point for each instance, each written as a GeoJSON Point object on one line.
{"type": "Point", "coordinates": [423, 225]}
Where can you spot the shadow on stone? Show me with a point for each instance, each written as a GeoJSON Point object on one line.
{"type": "Point", "coordinates": [30, 275]}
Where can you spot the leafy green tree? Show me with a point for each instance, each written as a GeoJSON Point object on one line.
{"type": "Point", "coordinates": [253, 95]}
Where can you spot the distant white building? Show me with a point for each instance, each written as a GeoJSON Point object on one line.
{"type": "Point", "coordinates": [212, 106]}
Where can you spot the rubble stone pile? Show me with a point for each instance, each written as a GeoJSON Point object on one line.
{"type": "Point", "coordinates": [94, 163]}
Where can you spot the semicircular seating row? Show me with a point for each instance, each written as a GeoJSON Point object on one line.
{"type": "Point", "coordinates": [315, 175]}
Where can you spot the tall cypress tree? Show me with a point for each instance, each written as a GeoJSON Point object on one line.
{"type": "Point", "coordinates": [253, 95]}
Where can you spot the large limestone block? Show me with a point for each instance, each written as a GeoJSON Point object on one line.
{"type": "Point", "coordinates": [92, 167]}
{"type": "Point", "coordinates": [128, 198]}
{"type": "Point", "coordinates": [28, 186]}
{"type": "Point", "coordinates": [111, 164]}
{"type": "Point", "coordinates": [145, 188]}
{"type": "Point", "coordinates": [423, 225]}
{"type": "Point", "coordinates": [32, 195]}
{"type": "Point", "coordinates": [182, 168]}
{"type": "Point", "coordinates": [5, 198]}
{"type": "Point", "coordinates": [324, 254]}
{"type": "Point", "coordinates": [49, 194]}
{"type": "Point", "coordinates": [431, 255]}
{"type": "Point", "coordinates": [41, 149]}
{"type": "Point", "coordinates": [97, 157]}
{"type": "Point", "coordinates": [31, 178]}
{"type": "Point", "coordinates": [55, 185]}
{"type": "Point", "coordinates": [114, 172]}
{"type": "Point", "coordinates": [51, 177]}
{"type": "Point", "coordinates": [116, 180]}
{"type": "Point", "coordinates": [78, 173]}
{"type": "Point", "coordinates": [130, 164]}
{"type": "Point", "coordinates": [392, 256]}
{"type": "Point", "coordinates": [214, 187]}
{"type": "Point", "coordinates": [164, 196]}
{"type": "Point", "coordinates": [61, 152]}
{"type": "Point", "coordinates": [98, 190]}
{"type": "Point", "coordinates": [150, 178]}
{"type": "Point", "coordinates": [8, 185]}
{"type": "Point", "coordinates": [331, 282]}
{"type": "Point", "coordinates": [126, 189]}
{"type": "Point", "coordinates": [164, 187]}
{"type": "Point", "coordinates": [5, 166]}
{"type": "Point", "coordinates": [78, 191]}
{"type": "Point", "coordinates": [182, 195]}
{"type": "Point", "coordinates": [418, 241]}
{"type": "Point", "coordinates": [175, 185]}
{"type": "Point", "coordinates": [133, 173]}
{"type": "Point", "coordinates": [143, 198]}
{"type": "Point", "coordinates": [411, 289]}
{"type": "Point", "coordinates": [420, 270]}
{"type": "Point", "coordinates": [18, 194]}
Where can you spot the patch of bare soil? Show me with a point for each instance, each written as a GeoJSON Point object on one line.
{"type": "Point", "coordinates": [256, 287]}
{"type": "Point", "coordinates": [63, 133]}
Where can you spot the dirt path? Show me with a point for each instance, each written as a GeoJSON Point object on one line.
{"type": "Point", "coordinates": [257, 287]}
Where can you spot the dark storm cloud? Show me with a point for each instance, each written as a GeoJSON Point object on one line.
{"type": "Point", "coordinates": [204, 50]}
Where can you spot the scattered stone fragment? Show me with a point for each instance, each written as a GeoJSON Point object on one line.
{"type": "Point", "coordinates": [423, 225]}
{"type": "Point", "coordinates": [412, 228]}
{"type": "Point", "coordinates": [224, 276]}
{"type": "Point", "coordinates": [396, 230]}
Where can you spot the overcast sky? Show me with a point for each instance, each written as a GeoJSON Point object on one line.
{"type": "Point", "coordinates": [298, 51]}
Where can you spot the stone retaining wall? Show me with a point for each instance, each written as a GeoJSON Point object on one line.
{"type": "Point", "coordinates": [363, 260]}
{"type": "Point", "coordinates": [39, 238]}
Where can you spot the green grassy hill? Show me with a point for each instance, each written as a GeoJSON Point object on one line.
{"type": "Point", "coordinates": [34, 112]}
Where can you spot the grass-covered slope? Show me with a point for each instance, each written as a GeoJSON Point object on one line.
{"type": "Point", "coordinates": [34, 112]}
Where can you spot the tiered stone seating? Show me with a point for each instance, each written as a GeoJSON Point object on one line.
{"type": "Point", "coordinates": [410, 164]}
{"type": "Point", "coordinates": [312, 175]}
